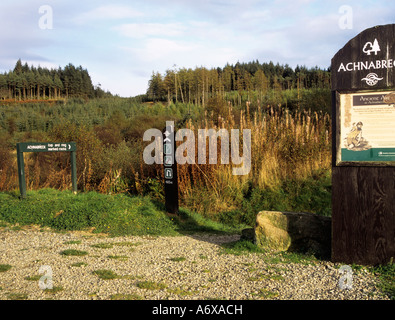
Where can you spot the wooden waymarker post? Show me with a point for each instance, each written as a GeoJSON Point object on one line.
{"type": "Point", "coordinates": [170, 169]}
{"type": "Point", "coordinates": [363, 148]}
{"type": "Point", "coordinates": [45, 147]}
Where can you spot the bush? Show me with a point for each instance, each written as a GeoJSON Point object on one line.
{"type": "Point", "coordinates": [308, 195]}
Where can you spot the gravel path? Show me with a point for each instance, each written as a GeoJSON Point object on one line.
{"type": "Point", "coordinates": [183, 267]}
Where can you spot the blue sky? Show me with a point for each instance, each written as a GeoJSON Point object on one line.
{"type": "Point", "coordinates": [122, 42]}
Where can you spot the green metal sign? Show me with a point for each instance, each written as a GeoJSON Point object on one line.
{"type": "Point", "coordinates": [45, 147]}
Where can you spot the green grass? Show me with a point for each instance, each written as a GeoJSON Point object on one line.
{"type": "Point", "coordinates": [73, 242]}
{"type": "Point", "coordinates": [116, 257]}
{"type": "Point", "coordinates": [116, 215]}
{"type": "Point", "coordinates": [386, 275]}
{"type": "Point", "coordinates": [177, 259]}
{"type": "Point", "coordinates": [127, 244]}
{"type": "Point", "coordinates": [17, 296]}
{"type": "Point", "coordinates": [53, 289]}
{"type": "Point", "coordinates": [106, 274]}
{"type": "Point", "coordinates": [266, 294]}
{"type": "Point", "coordinates": [180, 292]}
{"type": "Point", "coordinates": [33, 278]}
{"type": "Point", "coordinates": [311, 194]}
{"type": "Point", "coordinates": [150, 285]}
{"type": "Point", "coordinates": [5, 267]}
{"type": "Point", "coordinates": [79, 264]}
{"type": "Point", "coordinates": [73, 252]}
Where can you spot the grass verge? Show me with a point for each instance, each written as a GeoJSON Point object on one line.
{"type": "Point", "coordinates": [113, 214]}
{"type": "Point", "coordinates": [386, 274]}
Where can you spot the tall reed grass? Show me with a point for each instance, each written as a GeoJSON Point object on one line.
{"type": "Point", "coordinates": [284, 146]}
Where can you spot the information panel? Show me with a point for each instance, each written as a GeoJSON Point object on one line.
{"type": "Point", "coordinates": [367, 130]}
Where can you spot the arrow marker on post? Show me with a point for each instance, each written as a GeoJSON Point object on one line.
{"type": "Point", "coordinates": [170, 170]}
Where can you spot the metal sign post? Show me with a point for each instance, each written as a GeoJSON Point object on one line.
{"type": "Point", "coordinates": [170, 169]}
{"type": "Point", "coordinates": [45, 147]}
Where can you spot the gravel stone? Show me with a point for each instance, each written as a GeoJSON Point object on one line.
{"type": "Point", "coordinates": [202, 270]}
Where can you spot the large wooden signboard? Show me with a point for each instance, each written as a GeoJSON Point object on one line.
{"type": "Point", "coordinates": [363, 157]}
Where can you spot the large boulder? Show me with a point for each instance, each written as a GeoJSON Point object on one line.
{"type": "Point", "coordinates": [295, 232]}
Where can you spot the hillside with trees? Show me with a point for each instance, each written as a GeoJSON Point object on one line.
{"type": "Point", "coordinates": [26, 82]}
{"type": "Point", "coordinates": [252, 78]}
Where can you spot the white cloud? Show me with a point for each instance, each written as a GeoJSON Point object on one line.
{"type": "Point", "coordinates": [260, 15]}
{"type": "Point", "coordinates": [143, 30]}
{"type": "Point", "coordinates": [108, 12]}
{"type": "Point", "coordinates": [157, 49]}
{"type": "Point", "coordinates": [20, 35]}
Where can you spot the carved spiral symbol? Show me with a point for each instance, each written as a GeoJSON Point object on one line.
{"type": "Point", "coordinates": [372, 79]}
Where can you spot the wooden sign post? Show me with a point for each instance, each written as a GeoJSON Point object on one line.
{"type": "Point", "coordinates": [45, 147]}
{"type": "Point", "coordinates": [170, 168]}
{"type": "Point", "coordinates": [363, 148]}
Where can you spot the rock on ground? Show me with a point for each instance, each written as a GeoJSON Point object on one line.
{"type": "Point", "coordinates": [292, 231]}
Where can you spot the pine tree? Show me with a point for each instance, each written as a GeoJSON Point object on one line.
{"type": "Point", "coordinates": [18, 67]}
{"type": "Point", "coordinates": [3, 86]}
{"type": "Point", "coordinates": [261, 83]}
{"type": "Point", "coordinates": [58, 86]}
{"type": "Point", "coordinates": [156, 87]}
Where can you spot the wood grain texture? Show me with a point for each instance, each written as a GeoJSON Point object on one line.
{"type": "Point", "coordinates": [363, 215]}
